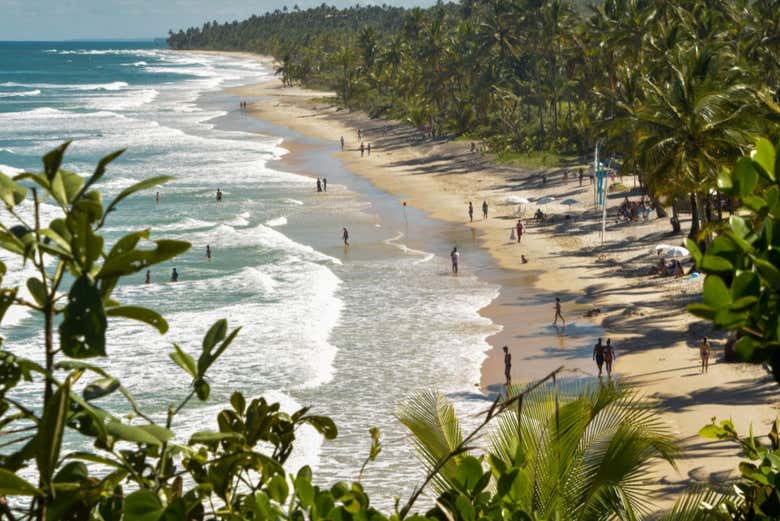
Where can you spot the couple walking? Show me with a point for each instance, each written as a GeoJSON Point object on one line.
{"type": "Point", "coordinates": [484, 211]}
{"type": "Point", "coordinates": [604, 354]}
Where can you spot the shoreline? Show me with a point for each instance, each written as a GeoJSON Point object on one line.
{"type": "Point", "coordinates": [644, 315]}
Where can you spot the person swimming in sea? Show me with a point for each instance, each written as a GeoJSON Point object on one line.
{"type": "Point", "coordinates": [175, 276]}
{"type": "Point", "coordinates": [219, 195]}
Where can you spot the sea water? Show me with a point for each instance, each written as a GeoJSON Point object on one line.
{"type": "Point", "coordinates": [349, 331]}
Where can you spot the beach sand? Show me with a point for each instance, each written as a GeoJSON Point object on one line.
{"type": "Point", "coordinates": [655, 339]}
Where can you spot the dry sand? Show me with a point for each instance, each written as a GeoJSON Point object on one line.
{"type": "Point", "coordinates": [655, 339]}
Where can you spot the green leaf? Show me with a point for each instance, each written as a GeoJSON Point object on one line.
{"type": "Point", "coordinates": [130, 190]}
{"type": "Point", "coordinates": [161, 433]}
{"type": "Point", "coordinates": [713, 263]}
{"type": "Point", "coordinates": [37, 290]}
{"type": "Point", "coordinates": [694, 250]}
{"type": "Point", "coordinates": [216, 333]}
{"type": "Point", "coordinates": [100, 388]}
{"type": "Point", "coordinates": [142, 505]}
{"type": "Point", "coordinates": [51, 427]}
{"type": "Point", "coordinates": [53, 160]}
{"type": "Point", "coordinates": [184, 360]}
{"type": "Point", "coordinates": [764, 155]}
{"type": "Point", "coordinates": [83, 330]}
{"type": "Point", "coordinates": [278, 489]}
{"type": "Point", "coordinates": [132, 433]}
{"type": "Point", "coordinates": [716, 294]}
{"type": "Point", "coordinates": [211, 437]}
{"type": "Point", "coordinates": [469, 472]}
{"type": "Point", "coordinates": [100, 169]}
{"type": "Point", "coordinates": [745, 348]}
{"type": "Point", "coordinates": [140, 314]}
{"type": "Point", "coordinates": [13, 485]}
{"type": "Point", "coordinates": [769, 272]}
{"type": "Point", "coordinates": [134, 260]}
{"type": "Point", "coordinates": [238, 402]}
{"type": "Point", "coordinates": [744, 176]}
{"type": "Point", "coordinates": [11, 193]}
{"type": "Point", "coordinates": [323, 424]}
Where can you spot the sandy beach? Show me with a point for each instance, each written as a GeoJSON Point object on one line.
{"type": "Point", "coordinates": [656, 341]}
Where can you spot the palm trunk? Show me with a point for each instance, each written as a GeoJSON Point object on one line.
{"type": "Point", "coordinates": [694, 217]}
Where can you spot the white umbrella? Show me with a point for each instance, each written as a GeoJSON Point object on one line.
{"type": "Point", "coordinates": [515, 199]}
{"type": "Point", "coordinates": [544, 200]}
{"type": "Point", "coordinates": [668, 250]}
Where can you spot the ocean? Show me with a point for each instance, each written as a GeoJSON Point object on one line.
{"type": "Point", "coordinates": [348, 331]}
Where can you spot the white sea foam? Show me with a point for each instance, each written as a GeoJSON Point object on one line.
{"type": "Point", "coordinates": [20, 94]}
{"type": "Point", "coordinates": [114, 85]}
{"type": "Point", "coordinates": [277, 221]}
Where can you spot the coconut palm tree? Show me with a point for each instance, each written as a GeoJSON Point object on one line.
{"type": "Point", "coordinates": [585, 450]}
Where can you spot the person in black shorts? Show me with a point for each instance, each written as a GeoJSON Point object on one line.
{"type": "Point", "coordinates": [507, 366]}
{"type": "Point", "coordinates": [598, 355]}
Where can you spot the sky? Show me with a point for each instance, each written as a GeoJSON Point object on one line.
{"type": "Point", "coordinates": [49, 20]}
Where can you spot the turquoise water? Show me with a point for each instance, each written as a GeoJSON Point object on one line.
{"type": "Point", "coordinates": [350, 332]}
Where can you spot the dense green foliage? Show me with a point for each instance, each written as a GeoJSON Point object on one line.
{"type": "Point", "coordinates": [742, 263]}
{"type": "Point", "coordinates": [675, 88]}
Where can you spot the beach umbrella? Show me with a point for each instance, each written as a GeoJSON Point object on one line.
{"type": "Point", "coordinates": [516, 199]}
{"type": "Point", "coordinates": [544, 200]}
{"type": "Point", "coordinates": [569, 202]}
{"type": "Point", "coordinates": [668, 250]}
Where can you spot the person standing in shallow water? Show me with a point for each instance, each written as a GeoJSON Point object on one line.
{"type": "Point", "coordinates": [175, 276]}
{"type": "Point", "coordinates": [609, 356]}
{"type": "Point", "coordinates": [208, 252]}
{"type": "Point", "coordinates": [507, 366]}
{"type": "Point", "coordinates": [324, 184]}
{"type": "Point", "coordinates": [484, 209]}
{"type": "Point", "coordinates": [558, 313]}
{"type": "Point", "coordinates": [704, 353]}
{"type": "Point", "coordinates": [219, 195]}
{"type": "Point", "coordinates": [157, 197]}
{"type": "Point", "coordinates": [455, 257]}
{"type": "Point", "coordinates": [471, 212]}
{"type": "Point", "coordinates": [319, 185]}
{"type": "Point", "coordinates": [342, 142]}
{"type": "Point", "coordinates": [148, 277]}
{"type": "Point", "coordinates": [598, 355]}
{"type": "Point", "coordinates": [362, 149]}
{"type": "Point", "coordinates": [345, 236]}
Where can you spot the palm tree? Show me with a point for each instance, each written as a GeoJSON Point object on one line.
{"type": "Point", "coordinates": [689, 127]}
{"type": "Point", "coordinates": [585, 450]}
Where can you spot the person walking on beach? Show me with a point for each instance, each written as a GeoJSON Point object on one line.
{"type": "Point", "coordinates": [342, 142]}
{"type": "Point", "coordinates": [558, 313]}
{"type": "Point", "coordinates": [519, 230]}
{"type": "Point", "coordinates": [157, 197]}
{"type": "Point", "coordinates": [369, 149]}
{"type": "Point", "coordinates": [484, 209]}
{"type": "Point", "coordinates": [609, 356]}
{"type": "Point", "coordinates": [324, 184]}
{"type": "Point", "coordinates": [360, 135]}
{"type": "Point", "coordinates": [598, 355]}
{"type": "Point", "coordinates": [319, 185]}
{"type": "Point", "coordinates": [345, 236]}
{"type": "Point", "coordinates": [455, 256]}
{"type": "Point", "coordinates": [580, 176]}
{"type": "Point", "coordinates": [175, 276]}
{"type": "Point", "coordinates": [148, 277]}
{"type": "Point", "coordinates": [219, 195]}
{"type": "Point", "coordinates": [208, 252]}
{"type": "Point", "coordinates": [471, 212]}
{"type": "Point", "coordinates": [507, 366]}
{"type": "Point", "coordinates": [704, 353]}
{"type": "Point", "coordinates": [362, 149]}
